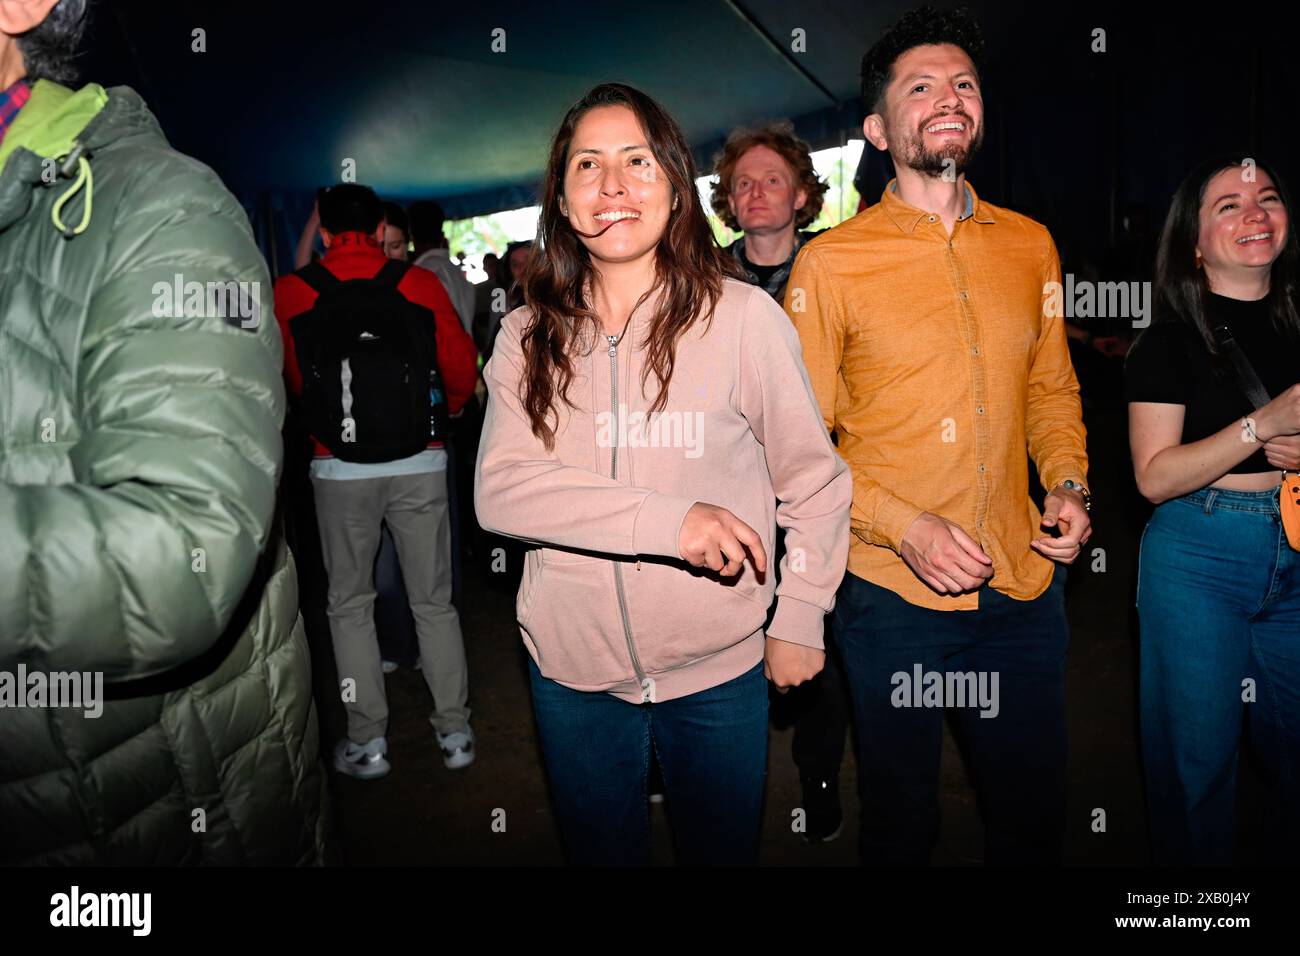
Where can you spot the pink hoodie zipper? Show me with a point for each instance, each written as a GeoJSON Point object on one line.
{"type": "Point", "coordinates": [647, 684]}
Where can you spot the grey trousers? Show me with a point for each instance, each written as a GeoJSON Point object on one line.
{"type": "Point", "coordinates": [349, 513]}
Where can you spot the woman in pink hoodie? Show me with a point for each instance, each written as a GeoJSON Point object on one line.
{"type": "Point", "coordinates": [649, 424]}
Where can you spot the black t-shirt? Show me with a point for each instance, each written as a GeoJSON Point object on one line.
{"type": "Point", "coordinates": [764, 273]}
{"type": "Point", "coordinates": [1169, 363]}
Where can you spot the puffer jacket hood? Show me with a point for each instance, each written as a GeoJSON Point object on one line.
{"type": "Point", "coordinates": [45, 138]}
{"type": "Point", "coordinates": [140, 551]}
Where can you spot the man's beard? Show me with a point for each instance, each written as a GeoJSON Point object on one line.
{"type": "Point", "coordinates": [954, 156]}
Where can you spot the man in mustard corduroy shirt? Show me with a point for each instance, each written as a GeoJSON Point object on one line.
{"type": "Point", "coordinates": [936, 363]}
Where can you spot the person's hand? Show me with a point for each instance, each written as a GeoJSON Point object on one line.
{"type": "Point", "coordinates": [1283, 452]}
{"type": "Point", "coordinates": [944, 556]}
{"type": "Point", "coordinates": [788, 665]}
{"type": "Point", "coordinates": [307, 241]}
{"type": "Point", "coordinates": [1280, 416]}
{"type": "Point", "coordinates": [313, 224]}
{"type": "Point", "coordinates": [713, 537]}
{"type": "Point", "coordinates": [1063, 508]}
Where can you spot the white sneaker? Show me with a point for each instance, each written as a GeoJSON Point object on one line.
{"type": "Point", "coordinates": [364, 761]}
{"type": "Point", "coordinates": [457, 748]}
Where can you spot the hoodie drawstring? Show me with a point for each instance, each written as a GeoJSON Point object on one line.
{"type": "Point", "coordinates": [84, 178]}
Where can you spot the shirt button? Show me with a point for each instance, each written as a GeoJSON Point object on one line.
{"type": "Point", "coordinates": [975, 351]}
{"type": "Point", "coordinates": [931, 218]}
{"type": "Point", "coordinates": [965, 294]}
{"type": "Point", "coordinates": [980, 409]}
{"type": "Point", "coordinates": [981, 469]}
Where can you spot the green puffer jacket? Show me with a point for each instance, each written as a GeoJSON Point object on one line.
{"type": "Point", "coordinates": [140, 452]}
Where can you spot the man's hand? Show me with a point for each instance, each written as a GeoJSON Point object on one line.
{"type": "Point", "coordinates": [944, 556]}
{"type": "Point", "coordinates": [713, 537]}
{"type": "Point", "coordinates": [788, 665]}
{"type": "Point", "coordinates": [1063, 508]}
{"type": "Point", "coordinates": [1283, 452]}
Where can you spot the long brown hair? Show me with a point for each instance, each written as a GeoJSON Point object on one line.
{"type": "Point", "coordinates": [689, 266]}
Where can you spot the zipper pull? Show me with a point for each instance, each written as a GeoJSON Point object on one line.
{"type": "Point", "coordinates": [648, 690]}
{"type": "Point", "coordinates": [638, 564]}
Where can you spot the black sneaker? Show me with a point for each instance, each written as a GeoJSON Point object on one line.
{"type": "Point", "coordinates": [821, 803]}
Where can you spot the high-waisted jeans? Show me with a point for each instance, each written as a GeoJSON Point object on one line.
{"type": "Point", "coordinates": [1219, 605]}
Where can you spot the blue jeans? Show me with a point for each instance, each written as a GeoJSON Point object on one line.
{"type": "Point", "coordinates": [1219, 605]}
{"type": "Point", "coordinates": [1016, 754]}
{"type": "Point", "coordinates": [712, 752]}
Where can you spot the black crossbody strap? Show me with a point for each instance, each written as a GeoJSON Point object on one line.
{"type": "Point", "coordinates": [1247, 379]}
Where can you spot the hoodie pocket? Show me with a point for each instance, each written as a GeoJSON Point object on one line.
{"type": "Point", "coordinates": [680, 614]}
{"type": "Point", "coordinates": [571, 621]}
{"type": "Point", "coordinates": [528, 584]}
{"type": "Point", "coordinates": [564, 556]}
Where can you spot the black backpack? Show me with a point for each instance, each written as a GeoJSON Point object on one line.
{"type": "Point", "coordinates": [371, 390]}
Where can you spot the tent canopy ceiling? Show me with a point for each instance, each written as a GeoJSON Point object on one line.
{"type": "Point", "coordinates": [416, 95]}
{"type": "Point", "coordinates": [426, 103]}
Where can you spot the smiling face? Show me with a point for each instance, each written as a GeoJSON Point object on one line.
{"type": "Point", "coordinates": [1243, 224]}
{"type": "Point", "coordinates": [763, 196]}
{"type": "Point", "coordinates": [614, 194]}
{"type": "Point", "coordinates": [934, 115]}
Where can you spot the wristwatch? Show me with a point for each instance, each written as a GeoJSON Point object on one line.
{"type": "Point", "coordinates": [1076, 486]}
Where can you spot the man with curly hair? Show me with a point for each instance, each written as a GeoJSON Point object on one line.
{"type": "Point", "coordinates": [767, 189]}
{"type": "Point", "coordinates": [939, 364]}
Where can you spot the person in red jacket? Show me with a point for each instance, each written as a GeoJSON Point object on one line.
{"type": "Point", "coordinates": [353, 499]}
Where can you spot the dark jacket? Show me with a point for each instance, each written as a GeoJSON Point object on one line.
{"type": "Point", "coordinates": [774, 286]}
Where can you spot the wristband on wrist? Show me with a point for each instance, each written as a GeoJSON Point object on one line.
{"type": "Point", "coordinates": [1078, 486]}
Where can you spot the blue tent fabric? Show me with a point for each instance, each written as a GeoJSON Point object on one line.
{"type": "Point", "coordinates": [458, 102]}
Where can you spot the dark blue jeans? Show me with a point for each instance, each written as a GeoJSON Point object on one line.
{"type": "Point", "coordinates": [712, 752]}
{"type": "Point", "coordinates": [1016, 753]}
{"type": "Point", "coordinates": [1219, 605]}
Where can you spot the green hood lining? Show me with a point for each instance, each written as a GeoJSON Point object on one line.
{"type": "Point", "coordinates": [48, 126]}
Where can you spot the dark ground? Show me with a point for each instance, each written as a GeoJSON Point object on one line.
{"type": "Point", "coordinates": [424, 814]}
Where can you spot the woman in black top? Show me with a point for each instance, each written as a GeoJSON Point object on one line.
{"type": "Point", "coordinates": [1218, 584]}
